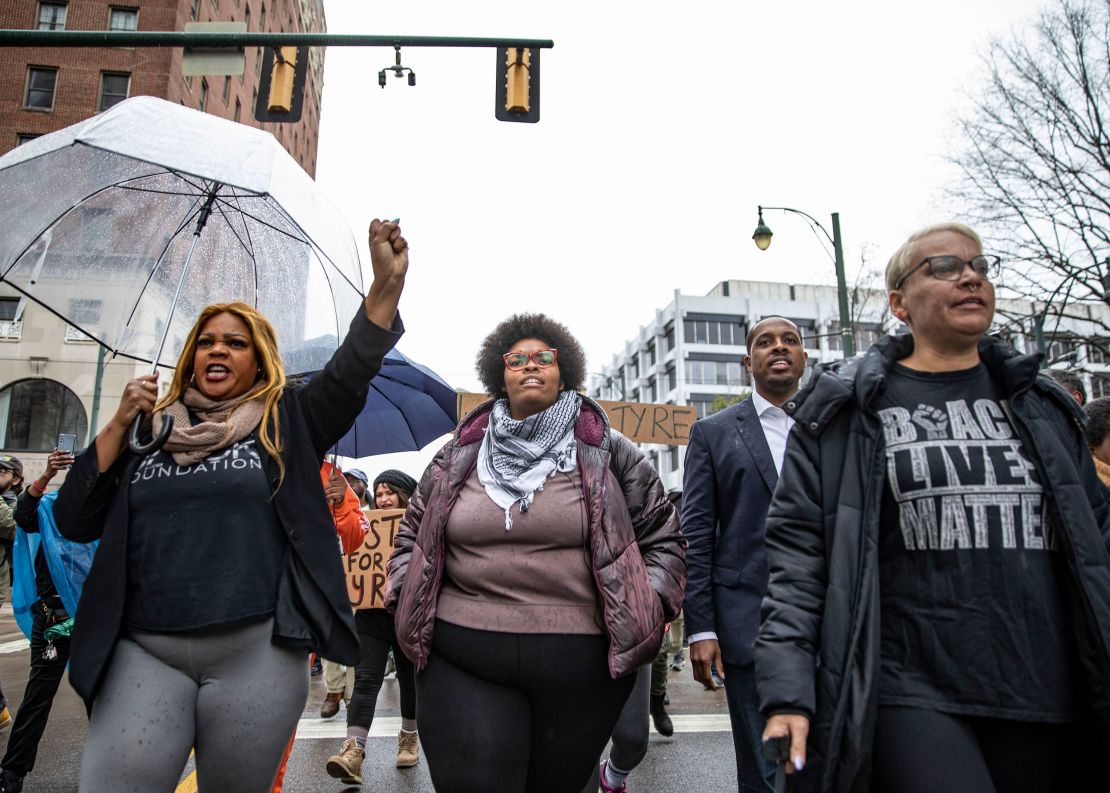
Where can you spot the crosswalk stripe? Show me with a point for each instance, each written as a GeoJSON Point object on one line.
{"type": "Point", "coordinates": [14, 646]}
{"type": "Point", "coordinates": [389, 726]}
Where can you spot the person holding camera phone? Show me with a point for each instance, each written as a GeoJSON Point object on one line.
{"type": "Point", "coordinates": [48, 659]}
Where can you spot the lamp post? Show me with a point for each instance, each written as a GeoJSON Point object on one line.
{"type": "Point", "coordinates": [762, 238]}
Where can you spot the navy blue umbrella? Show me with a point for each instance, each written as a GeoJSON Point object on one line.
{"type": "Point", "coordinates": [408, 407]}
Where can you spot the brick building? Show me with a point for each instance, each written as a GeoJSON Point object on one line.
{"type": "Point", "coordinates": [42, 90]}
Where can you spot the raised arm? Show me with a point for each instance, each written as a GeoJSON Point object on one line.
{"type": "Point", "coordinates": [333, 399]}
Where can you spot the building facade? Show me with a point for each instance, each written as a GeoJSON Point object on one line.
{"type": "Point", "coordinates": [692, 350]}
{"type": "Point", "coordinates": [53, 379]}
{"type": "Point", "coordinates": [46, 89]}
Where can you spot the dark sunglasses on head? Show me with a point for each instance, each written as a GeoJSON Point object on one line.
{"type": "Point", "coordinates": [950, 268]}
{"type": "Point", "coordinates": [514, 361]}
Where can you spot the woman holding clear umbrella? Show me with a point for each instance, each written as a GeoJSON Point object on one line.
{"type": "Point", "coordinates": [217, 570]}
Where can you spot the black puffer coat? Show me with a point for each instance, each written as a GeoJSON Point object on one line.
{"type": "Point", "coordinates": [818, 647]}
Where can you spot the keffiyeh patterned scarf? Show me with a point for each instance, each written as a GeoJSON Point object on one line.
{"type": "Point", "coordinates": [517, 457]}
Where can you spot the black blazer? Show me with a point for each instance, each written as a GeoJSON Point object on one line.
{"type": "Point", "coordinates": [312, 607]}
{"type": "Point", "coordinates": [727, 486]}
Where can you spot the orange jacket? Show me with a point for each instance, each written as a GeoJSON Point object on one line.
{"type": "Point", "coordinates": [350, 524]}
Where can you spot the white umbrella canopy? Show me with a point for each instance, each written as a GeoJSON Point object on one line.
{"type": "Point", "coordinates": [100, 221]}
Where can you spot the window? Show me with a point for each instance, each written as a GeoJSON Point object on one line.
{"type": "Point", "coordinates": [672, 455]}
{"type": "Point", "coordinates": [8, 307]}
{"type": "Point", "coordinates": [247, 17]}
{"type": "Point", "coordinates": [711, 331]}
{"type": "Point", "coordinates": [34, 412]}
{"type": "Point", "coordinates": [203, 101]}
{"type": "Point", "coordinates": [1100, 386]}
{"type": "Point", "coordinates": [114, 89]}
{"type": "Point", "coordinates": [634, 366]}
{"type": "Point", "coordinates": [41, 82]}
{"type": "Point", "coordinates": [729, 373]}
{"type": "Point", "coordinates": [23, 137]}
{"type": "Point", "coordinates": [668, 337]}
{"type": "Point", "coordinates": [238, 109]}
{"type": "Point", "coordinates": [1097, 350]}
{"type": "Point", "coordinates": [227, 91]}
{"type": "Point", "coordinates": [651, 352]}
{"type": "Point", "coordinates": [649, 391]}
{"type": "Point", "coordinates": [84, 312]}
{"type": "Point", "coordinates": [194, 7]}
{"type": "Point", "coordinates": [672, 379]}
{"type": "Point", "coordinates": [262, 18]}
{"type": "Point", "coordinates": [188, 84]}
{"type": "Point", "coordinates": [52, 16]}
{"type": "Point", "coordinates": [123, 18]}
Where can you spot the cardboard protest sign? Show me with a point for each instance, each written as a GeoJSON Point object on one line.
{"type": "Point", "coordinates": [365, 567]}
{"type": "Point", "coordinates": [640, 422]}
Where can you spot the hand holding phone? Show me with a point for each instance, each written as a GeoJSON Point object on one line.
{"type": "Point", "coordinates": [67, 444]}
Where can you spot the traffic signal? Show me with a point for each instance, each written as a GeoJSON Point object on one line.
{"type": "Point", "coordinates": [518, 84]}
{"type": "Point", "coordinates": [281, 87]}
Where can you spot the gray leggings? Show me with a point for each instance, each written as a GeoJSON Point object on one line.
{"type": "Point", "coordinates": [232, 694]}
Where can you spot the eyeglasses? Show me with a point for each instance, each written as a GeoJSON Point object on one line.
{"type": "Point", "coordinates": [950, 268]}
{"type": "Point", "coordinates": [515, 361]}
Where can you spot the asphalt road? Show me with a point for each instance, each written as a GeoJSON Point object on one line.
{"type": "Point", "coordinates": [698, 757]}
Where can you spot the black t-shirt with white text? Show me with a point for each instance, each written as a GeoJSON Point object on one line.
{"type": "Point", "coordinates": [970, 573]}
{"type": "Point", "coordinates": [205, 548]}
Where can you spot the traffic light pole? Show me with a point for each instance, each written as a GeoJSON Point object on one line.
{"type": "Point", "coordinates": [116, 38]}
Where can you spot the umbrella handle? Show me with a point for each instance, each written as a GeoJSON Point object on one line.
{"type": "Point", "coordinates": [157, 443]}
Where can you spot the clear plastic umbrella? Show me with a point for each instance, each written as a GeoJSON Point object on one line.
{"type": "Point", "coordinates": [126, 225]}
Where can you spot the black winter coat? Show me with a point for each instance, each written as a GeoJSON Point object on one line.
{"type": "Point", "coordinates": [818, 647]}
{"type": "Point", "coordinates": [312, 607]}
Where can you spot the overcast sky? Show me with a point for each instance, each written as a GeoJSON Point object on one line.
{"type": "Point", "coordinates": [662, 126]}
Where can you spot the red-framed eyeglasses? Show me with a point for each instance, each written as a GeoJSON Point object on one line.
{"type": "Point", "coordinates": [545, 359]}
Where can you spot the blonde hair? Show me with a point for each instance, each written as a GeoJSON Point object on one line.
{"type": "Point", "coordinates": [272, 372]}
{"type": "Point", "coordinates": [902, 260]}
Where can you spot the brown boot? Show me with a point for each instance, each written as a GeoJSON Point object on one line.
{"type": "Point", "coordinates": [347, 765]}
{"type": "Point", "coordinates": [408, 749]}
{"type": "Point", "coordinates": [331, 705]}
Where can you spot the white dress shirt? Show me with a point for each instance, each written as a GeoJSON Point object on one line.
{"type": "Point", "coordinates": [776, 426]}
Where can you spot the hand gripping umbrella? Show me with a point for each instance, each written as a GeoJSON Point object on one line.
{"type": "Point", "coordinates": [127, 224]}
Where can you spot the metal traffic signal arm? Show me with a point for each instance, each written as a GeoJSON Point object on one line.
{"type": "Point", "coordinates": [518, 60]}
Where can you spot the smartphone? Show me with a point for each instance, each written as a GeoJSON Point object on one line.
{"type": "Point", "coordinates": [67, 444]}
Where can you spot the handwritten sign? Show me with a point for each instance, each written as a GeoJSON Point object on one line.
{"type": "Point", "coordinates": [640, 422]}
{"type": "Point", "coordinates": [365, 567]}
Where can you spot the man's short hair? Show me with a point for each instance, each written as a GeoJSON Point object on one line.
{"type": "Point", "coordinates": [748, 338]}
{"type": "Point", "coordinates": [1070, 381]}
{"type": "Point", "coordinates": [1098, 421]}
{"type": "Point", "coordinates": [903, 259]}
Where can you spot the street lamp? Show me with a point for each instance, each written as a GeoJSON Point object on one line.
{"type": "Point", "coordinates": [762, 238]}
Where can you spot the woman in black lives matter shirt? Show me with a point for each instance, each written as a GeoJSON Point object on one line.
{"type": "Point", "coordinates": [938, 614]}
{"type": "Point", "coordinates": [217, 570]}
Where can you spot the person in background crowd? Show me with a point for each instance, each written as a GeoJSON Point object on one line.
{"type": "Point", "coordinates": [47, 668]}
{"type": "Point", "coordinates": [351, 527]}
{"type": "Point", "coordinates": [376, 634]}
{"type": "Point", "coordinates": [204, 643]}
{"type": "Point", "coordinates": [535, 569]}
{"type": "Point", "coordinates": [938, 613]}
{"type": "Point", "coordinates": [1098, 436]}
{"type": "Point", "coordinates": [733, 462]}
{"type": "Point", "coordinates": [1071, 383]}
{"type": "Point", "coordinates": [678, 642]}
{"type": "Point", "coordinates": [360, 483]}
{"type": "Point", "coordinates": [11, 485]}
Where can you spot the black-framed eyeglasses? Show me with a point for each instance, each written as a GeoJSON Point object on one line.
{"type": "Point", "coordinates": [950, 268]}
{"type": "Point", "coordinates": [515, 361]}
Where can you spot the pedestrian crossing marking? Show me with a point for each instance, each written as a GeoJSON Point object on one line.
{"type": "Point", "coordinates": [18, 645]}
{"type": "Point", "coordinates": [389, 726]}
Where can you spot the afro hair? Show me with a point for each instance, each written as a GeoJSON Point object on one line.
{"type": "Point", "coordinates": [491, 366]}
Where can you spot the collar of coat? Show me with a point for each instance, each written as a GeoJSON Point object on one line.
{"type": "Point", "coordinates": [863, 378]}
{"type": "Point", "coordinates": [592, 427]}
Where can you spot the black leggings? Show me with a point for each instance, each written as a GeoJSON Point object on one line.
{"type": "Point", "coordinates": [373, 626]}
{"type": "Point", "coordinates": [925, 751]}
{"type": "Point", "coordinates": [516, 713]}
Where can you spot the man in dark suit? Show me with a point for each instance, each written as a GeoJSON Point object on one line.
{"type": "Point", "coordinates": [732, 465]}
